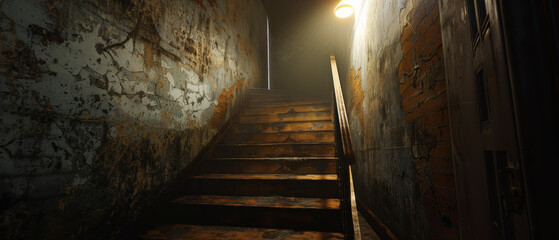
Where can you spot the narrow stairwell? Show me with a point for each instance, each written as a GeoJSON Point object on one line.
{"type": "Point", "coordinates": [272, 176]}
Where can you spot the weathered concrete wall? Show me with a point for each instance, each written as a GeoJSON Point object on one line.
{"type": "Point", "coordinates": [105, 101]}
{"type": "Point", "coordinates": [397, 102]}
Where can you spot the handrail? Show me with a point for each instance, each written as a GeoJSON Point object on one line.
{"type": "Point", "coordinates": [345, 151]}
{"type": "Point", "coordinates": [342, 114]}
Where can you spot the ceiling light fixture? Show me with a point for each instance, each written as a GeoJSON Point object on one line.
{"type": "Point", "coordinates": [344, 9]}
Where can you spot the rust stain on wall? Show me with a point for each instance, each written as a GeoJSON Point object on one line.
{"type": "Point", "coordinates": [138, 10]}
{"type": "Point", "coordinates": [213, 3]}
{"type": "Point", "coordinates": [151, 56]}
{"type": "Point", "coordinates": [202, 5]}
{"type": "Point", "coordinates": [233, 12]}
{"type": "Point", "coordinates": [223, 103]}
{"type": "Point", "coordinates": [246, 44]}
{"type": "Point", "coordinates": [198, 52]}
{"type": "Point", "coordinates": [357, 94]}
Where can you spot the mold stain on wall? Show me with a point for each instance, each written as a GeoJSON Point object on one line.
{"type": "Point", "coordinates": [106, 101]}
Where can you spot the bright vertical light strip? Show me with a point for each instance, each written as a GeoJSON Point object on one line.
{"type": "Point", "coordinates": [268, 48]}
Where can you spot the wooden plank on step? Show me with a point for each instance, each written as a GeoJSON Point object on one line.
{"type": "Point", "coordinates": [287, 117]}
{"type": "Point", "coordinates": [289, 185]}
{"type": "Point", "coordinates": [288, 109]}
{"type": "Point", "coordinates": [330, 177]}
{"type": "Point", "coordinates": [183, 231]}
{"type": "Point", "coordinates": [261, 201]}
{"type": "Point", "coordinates": [286, 102]}
{"type": "Point", "coordinates": [288, 137]}
{"type": "Point", "coordinates": [275, 150]}
{"type": "Point", "coordinates": [283, 127]}
{"type": "Point", "coordinates": [268, 166]}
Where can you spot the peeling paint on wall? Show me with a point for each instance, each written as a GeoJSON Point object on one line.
{"type": "Point", "coordinates": [106, 101]}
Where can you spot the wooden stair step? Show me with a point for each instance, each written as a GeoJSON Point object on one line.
{"type": "Point", "coordinates": [286, 165]}
{"type": "Point", "coordinates": [182, 231]}
{"type": "Point", "coordinates": [287, 117]}
{"type": "Point", "coordinates": [259, 201]}
{"type": "Point", "coordinates": [285, 102]}
{"type": "Point", "coordinates": [253, 211]}
{"type": "Point", "coordinates": [275, 150]}
{"type": "Point", "coordinates": [268, 176]}
{"type": "Point", "coordinates": [279, 158]}
{"type": "Point", "coordinates": [289, 185]}
{"type": "Point", "coordinates": [325, 107]}
{"type": "Point", "coordinates": [265, 100]}
{"type": "Point", "coordinates": [309, 136]}
{"type": "Point", "coordinates": [283, 127]}
{"type": "Point", "coordinates": [259, 96]}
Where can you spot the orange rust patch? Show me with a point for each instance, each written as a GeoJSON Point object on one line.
{"type": "Point", "coordinates": [223, 103]}
{"type": "Point", "coordinates": [201, 3]}
{"type": "Point", "coordinates": [161, 84]}
{"type": "Point", "coordinates": [357, 94]}
{"type": "Point", "coordinates": [166, 117]}
{"type": "Point", "coordinates": [213, 3]}
{"type": "Point", "coordinates": [151, 55]}
{"type": "Point", "coordinates": [245, 45]}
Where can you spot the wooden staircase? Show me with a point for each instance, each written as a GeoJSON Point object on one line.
{"type": "Point", "coordinates": [272, 176]}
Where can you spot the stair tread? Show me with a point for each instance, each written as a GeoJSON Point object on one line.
{"type": "Point", "coordinates": [285, 102]}
{"type": "Point", "coordinates": [183, 231]}
{"type": "Point", "coordinates": [276, 158]}
{"type": "Point", "coordinates": [290, 132]}
{"type": "Point", "coordinates": [261, 201]}
{"type": "Point", "coordinates": [255, 111]}
{"type": "Point", "coordinates": [268, 176]}
{"type": "Point", "coordinates": [269, 166]}
{"type": "Point", "coordinates": [287, 117]}
{"type": "Point", "coordinates": [284, 127]}
{"type": "Point", "coordinates": [274, 144]}
{"type": "Point", "coordinates": [296, 137]}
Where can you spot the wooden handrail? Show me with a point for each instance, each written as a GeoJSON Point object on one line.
{"type": "Point", "coordinates": [347, 146]}
{"type": "Point", "coordinates": [345, 152]}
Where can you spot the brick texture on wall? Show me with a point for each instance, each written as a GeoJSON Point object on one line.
{"type": "Point", "coordinates": [423, 90]}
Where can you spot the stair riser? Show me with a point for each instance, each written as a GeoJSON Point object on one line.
{"type": "Point", "coordinates": [283, 127]}
{"type": "Point", "coordinates": [270, 166]}
{"type": "Point", "coordinates": [180, 231]}
{"type": "Point", "coordinates": [235, 187]}
{"type": "Point", "coordinates": [296, 137]}
{"type": "Point", "coordinates": [288, 109]}
{"type": "Point", "coordinates": [294, 150]}
{"type": "Point", "coordinates": [284, 102]}
{"type": "Point", "coordinates": [260, 97]}
{"type": "Point", "coordinates": [288, 117]}
{"type": "Point", "coordinates": [297, 219]}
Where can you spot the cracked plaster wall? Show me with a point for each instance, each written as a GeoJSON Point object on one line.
{"type": "Point", "coordinates": [106, 101]}
{"type": "Point", "coordinates": [396, 99]}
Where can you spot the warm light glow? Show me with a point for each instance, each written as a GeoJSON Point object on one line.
{"type": "Point", "coordinates": [344, 9]}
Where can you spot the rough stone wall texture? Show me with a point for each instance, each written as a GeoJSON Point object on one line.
{"type": "Point", "coordinates": [105, 101]}
{"type": "Point", "coordinates": [397, 102]}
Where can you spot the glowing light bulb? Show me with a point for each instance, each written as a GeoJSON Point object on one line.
{"type": "Point", "coordinates": [344, 9]}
